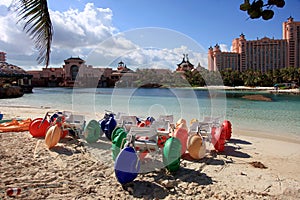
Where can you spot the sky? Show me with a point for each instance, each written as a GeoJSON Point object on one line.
{"type": "Point", "coordinates": [141, 33]}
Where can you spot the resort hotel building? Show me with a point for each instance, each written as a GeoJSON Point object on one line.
{"type": "Point", "coordinates": [261, 54]}
{"type": "Point", "coordinates": [76, 73]}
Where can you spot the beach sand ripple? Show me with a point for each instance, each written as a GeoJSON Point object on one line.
{"type": "Point", "coordinates": [69, 171]}
{"type": "Point", "coordinates": [249, 168]}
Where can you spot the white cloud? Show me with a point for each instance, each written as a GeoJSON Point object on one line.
{"type": "Point", "coordinates": [139, 48]}
{"type": "Point", "coordinates": [81, 29]}
{"type": "Point", "coordinates": [14, 41]}
{"type": "Point", "coordinates": [110, 52]}
{"type": "Point", "coordinates": [78, 32]}
{"type": "Point", "coordinates": [90, 34]}
{"type": "Point", "coordinates": [224, 47]}
{"type": "Point", "coordinates": [75, 34]}
{"type": "Point", "coordinates": [5, 3]}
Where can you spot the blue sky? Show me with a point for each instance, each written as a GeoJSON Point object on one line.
{"type": "Point", "coordinates": [81, 24]}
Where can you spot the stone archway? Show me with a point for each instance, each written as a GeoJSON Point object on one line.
{"type": "Point", "coordinates": [73, 72]}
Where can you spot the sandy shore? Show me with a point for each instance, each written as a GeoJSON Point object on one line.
{"type": "Point", "coordinates": [249, 168]}
{"type": "Point", "coordinates": [247, 88]}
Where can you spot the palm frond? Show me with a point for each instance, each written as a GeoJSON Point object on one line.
{"type": "Point", "coordinates": [37, 25]}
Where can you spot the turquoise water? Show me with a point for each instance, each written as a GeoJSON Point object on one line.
{"type": "Point", "coordinates": [280, 117]}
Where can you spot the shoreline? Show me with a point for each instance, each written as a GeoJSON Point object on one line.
{"type": "Point", "coordinates": [271, 90]}
{"type": "Point", "coordinates": [245, 88]}
{"type": "Point", "coordinates": [27, 111]}
{"type": "Point", "coordinates": [290, 138]}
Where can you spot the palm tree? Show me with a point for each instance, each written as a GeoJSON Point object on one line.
{"type": "Point", "coordinates": [37, 25]}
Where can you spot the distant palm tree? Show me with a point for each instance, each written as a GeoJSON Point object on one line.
{"type": "Point", "coordinates": [37, 25]}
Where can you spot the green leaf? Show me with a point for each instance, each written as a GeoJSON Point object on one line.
{"type": "Point", "coordinates": [245, 6]}
{"type": "Point", "coordinates": [280, 3]}
{"type": "Point", "coordinates": [267, 14]}
{"type": "Point", "coordinates": [254, 13]}
{"type": "Point", "coordinates": [37, 24]}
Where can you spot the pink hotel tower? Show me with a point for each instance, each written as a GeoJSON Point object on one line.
{"type": "Point", "coordinates": [261, 54]}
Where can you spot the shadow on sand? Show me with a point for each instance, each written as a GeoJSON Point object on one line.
{"type": "Point", "coordinates": [62, 150]}
{"type": "Point", "coordinates": [234, 152]}
{"type": "Point", "coordinates": [157, 190]}
{"type": "Point", "coordinates": [100, 144]}
{"type": "Point", "coordinates": [238, 141]}
{"type": "Point", "coordinates": [146, 190]}
{"type": "Point", "coordinates": [192, 176]}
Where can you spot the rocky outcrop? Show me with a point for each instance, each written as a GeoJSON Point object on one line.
{"type": "Point", "coordinates": [11, 92]}
{"type": "Point", "coordinates": [151, 85]}
{"type": "Point", "coordinates": [257, 97]}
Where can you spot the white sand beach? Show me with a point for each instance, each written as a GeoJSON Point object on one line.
{"type": "Point", "coordinates": [247, 88]}
{"type": "Point", "coordinates": [249, 168]}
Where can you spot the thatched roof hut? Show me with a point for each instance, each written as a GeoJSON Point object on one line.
{"type": "Point", "coordinates": [10, 71]}
{"type": "Point", "coordinates": [14, 81]}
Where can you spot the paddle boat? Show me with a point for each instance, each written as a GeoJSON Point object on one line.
{"type": "Point", "coordinates": [56, 126]}
{"type": "Point", "coordinates": [131, 144]}
{"type": "Point", "coordinates": [14, 125]}
{"type": "Point", "coordinates": [108, 124]}
{"type": "Point", "coordinates": [211, 130]}
{"type": "Point", "coordinates": [153, 133]}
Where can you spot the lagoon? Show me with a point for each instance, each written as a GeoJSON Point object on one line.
{"type": "Point", "coordinates": [280, 117]}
